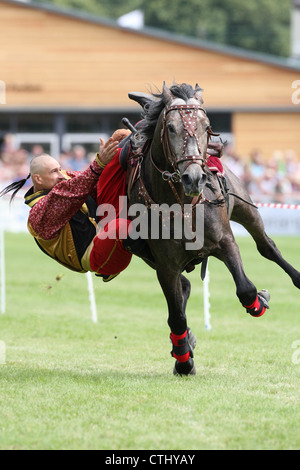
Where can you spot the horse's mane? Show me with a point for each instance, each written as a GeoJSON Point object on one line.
{"type": "Point", "coordinates": [153, 109]}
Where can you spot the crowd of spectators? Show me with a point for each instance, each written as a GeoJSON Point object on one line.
{"type": "Point", "coordinates": [271, 178]}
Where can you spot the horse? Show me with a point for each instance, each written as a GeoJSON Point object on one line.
{"type": "Point", "coordinates": [170, 160]}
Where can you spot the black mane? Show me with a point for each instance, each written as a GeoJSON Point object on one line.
{"type": "Point", "coordinates": [153, 109]}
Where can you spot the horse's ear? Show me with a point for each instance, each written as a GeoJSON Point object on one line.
{"type": "Point", "coordinates": [142, 98]}
{"type": "Point", "coordinates": [198, 93]}
{"type": "Point", "coordinates": [167, 94]}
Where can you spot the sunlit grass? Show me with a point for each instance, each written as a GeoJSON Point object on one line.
{"type": "Point", "coordinates": [71, 384]}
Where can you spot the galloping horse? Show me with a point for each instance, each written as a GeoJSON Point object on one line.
{"type": "Point", "coordinates": [171, 154]}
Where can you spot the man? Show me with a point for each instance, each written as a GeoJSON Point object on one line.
{"type": "Point", "coordinates": [63, 218]}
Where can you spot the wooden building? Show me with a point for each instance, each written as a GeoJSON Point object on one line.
{"type": "Point", "coordinates": [67, 72]}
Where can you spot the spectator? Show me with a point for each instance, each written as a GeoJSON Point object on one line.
{"type": "Point", "coordinates": [233, 161]}
{"type": "Point", "coordinates": [78, 158]}
{"type": "Point", "coordinates": [8, 145]}
{"type": "Point", "coordinates": [36, 150]}
{"type": "Point", "coordinates": [65, 160]}
{"type": "Point", "coordinates": [257, 166]}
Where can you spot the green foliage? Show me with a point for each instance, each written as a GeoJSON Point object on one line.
{"type": "Point", "coordinates": [259, 25]}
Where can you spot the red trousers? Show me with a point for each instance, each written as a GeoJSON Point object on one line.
{"type": "Point", "coordinates": [108, 255]}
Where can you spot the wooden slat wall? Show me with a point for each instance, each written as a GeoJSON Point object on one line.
{"type": "Point", "coordinates": [267, 132]}
{"type": "Point", "coordinates": [71, 62]}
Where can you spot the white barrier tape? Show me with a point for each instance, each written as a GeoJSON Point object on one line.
{"type": "Point", "coordinates": [273, 205]}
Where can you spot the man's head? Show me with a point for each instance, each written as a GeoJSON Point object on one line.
{"type": "Point", "coordinates": [45, 172]}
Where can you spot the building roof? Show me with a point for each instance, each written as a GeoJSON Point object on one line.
{"type": "Point", "coordinates": [286, 63]}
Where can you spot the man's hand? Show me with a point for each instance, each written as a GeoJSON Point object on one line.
{"type": "Point", "coordinates": [107, 150]}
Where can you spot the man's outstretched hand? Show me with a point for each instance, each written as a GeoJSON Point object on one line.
{"type": "Point", "coordinates": [107, 150]}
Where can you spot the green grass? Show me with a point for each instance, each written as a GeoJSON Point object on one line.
{"type": "Point", "coordinates": [71, 384]}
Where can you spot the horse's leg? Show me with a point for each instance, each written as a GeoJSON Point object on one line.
{"type": "Point", "coordinates": [246, 291]}
{"type": "Point", "coordinates": [186, 291]}
{"type": "Point", "coordinates": [176, 290]}
{"type": "Point", "coordinates": [251, 219]}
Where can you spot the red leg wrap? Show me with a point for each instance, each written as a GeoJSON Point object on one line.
{"type": "Point", "coordinates": [176, 339]}
{"type": "Point", "coordinates": [181, 348]}
{"type": "Point", "coordinates": [257, 309]}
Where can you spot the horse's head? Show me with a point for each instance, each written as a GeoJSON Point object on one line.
{"type": "Point", "coordinates": [185, 134]}
{"type": "Point", "coordinates": [177, 123]}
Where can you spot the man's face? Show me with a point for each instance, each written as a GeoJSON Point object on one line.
{"type": "Point", "coordinates": [49, 174]}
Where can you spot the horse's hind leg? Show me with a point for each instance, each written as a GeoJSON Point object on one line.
{"type": "Point", "coordinates": [251, 219]}
{"type": "Point", "coordinates": [229, 253]}
{"type": "Point", "coordinates": [255, 303]}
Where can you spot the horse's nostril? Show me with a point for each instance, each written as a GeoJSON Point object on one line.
{"type": "Point", "coordinates": [186, 180]}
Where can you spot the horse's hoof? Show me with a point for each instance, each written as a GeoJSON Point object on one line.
{"type": "Point", "coordinates": [265, 294]}
{"type": "Point", "coordinates": [185, 368]}
{"type": "Point", "coordinates": [192, 339]}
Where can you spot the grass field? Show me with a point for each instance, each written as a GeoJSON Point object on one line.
{"type": "Point", "coordinates": [71, 384]}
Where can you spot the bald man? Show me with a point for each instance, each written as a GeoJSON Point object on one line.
{"type": "Point", "coordinates": [63, 218]}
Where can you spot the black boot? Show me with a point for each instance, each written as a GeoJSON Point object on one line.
{"type": "Point", "coordinates": [107, 277]}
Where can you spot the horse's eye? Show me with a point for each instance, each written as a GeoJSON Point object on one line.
{"type": "Point", "coordinates": [171, 128]}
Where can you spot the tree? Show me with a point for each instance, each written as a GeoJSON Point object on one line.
{"type": "Point", "coordinates": [259, 25]}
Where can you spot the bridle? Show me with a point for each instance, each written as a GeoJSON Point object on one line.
{"type": "Point", "coordinates": [188, 114]}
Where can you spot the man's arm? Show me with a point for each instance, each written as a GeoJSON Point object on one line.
{"type": "Point", "coordinates": [53, 211]}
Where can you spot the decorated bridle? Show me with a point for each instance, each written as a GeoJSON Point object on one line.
{"type": "Point", "coordinates": [188, 113]}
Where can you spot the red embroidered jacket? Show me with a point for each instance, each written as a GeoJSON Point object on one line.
{"type": "Point", "coordinates": [51, 213]}
{"type": "Point", "coordinates": [62, 221]}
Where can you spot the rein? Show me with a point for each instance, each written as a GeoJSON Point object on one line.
{"type": "Point", "coordinates": [188, 115]}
